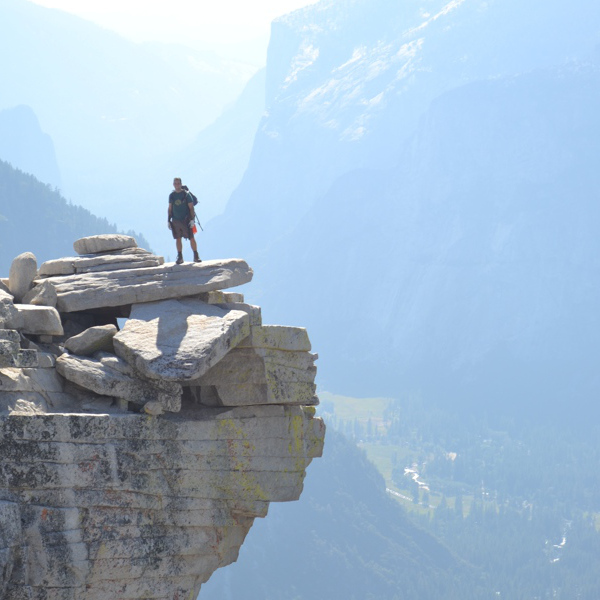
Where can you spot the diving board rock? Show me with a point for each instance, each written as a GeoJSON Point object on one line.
{"type": "Point", "coordinates": [132, 286]}
{"type": "Point", "coordinates": [179, 340]}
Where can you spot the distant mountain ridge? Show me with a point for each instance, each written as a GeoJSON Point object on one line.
{"type": "Point", "coordinates": [215, 162]}
{"type": "Point", "coordinates": [348, 80]}
{"type": "Point", "coordinates": [26, 147]}
{"type": "Point", "coordinates": [112, 107]}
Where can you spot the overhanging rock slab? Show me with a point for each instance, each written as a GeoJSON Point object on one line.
{"type": "Point", "coordinates": [132, 286]}
{"type": "Point", "coordinates": [179, 340]}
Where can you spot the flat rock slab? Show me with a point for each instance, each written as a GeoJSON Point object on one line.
{"type": "Point", "coordinates": [179, 340]}
{"type": "Point", "coordinates": [133, 286]}
{"type": "Point", "coordinates": [100, 377]}
{"type": "Point", "coordinates": [103, 243]}
{"type": "Point", "coordinates": [249, 376]}
{"type": "Point", "coordinates": [37, 320]}
{"type": "Point", "coordinates": [248, 394]}
{"type": "Point", "coordinates": [103, 262]}
{"type": "Point", "coordinates": [278, 337]}
{"type": "Point", "coordinates": [220, 297]}
{"type": "Point", "coordinates": [245, 365]}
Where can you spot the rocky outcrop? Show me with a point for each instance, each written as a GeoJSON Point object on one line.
{"type": "Point", "coordinates": [133, 285]}
{"type": "Point", "coordinates": [136, 455]}
{"type": "Point", "coordinates": [179, 340]}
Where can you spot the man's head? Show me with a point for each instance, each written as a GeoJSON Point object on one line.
{"type": "Point", "coordinates": [177, 184]}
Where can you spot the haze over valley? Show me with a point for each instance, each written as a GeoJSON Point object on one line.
{"type": "Point", "coordinates": [417, 183]}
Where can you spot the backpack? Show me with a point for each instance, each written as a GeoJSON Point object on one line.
{"type": "Point", "coordinates": [192, 196]}
{"type": "Point", "coordinates": [195, 201]}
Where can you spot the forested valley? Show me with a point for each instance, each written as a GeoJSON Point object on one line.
{"type": "Point", "coordinates": [518, 500]}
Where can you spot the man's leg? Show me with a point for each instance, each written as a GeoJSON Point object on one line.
{"type": "Point", "coordinates": [179, 247]}
{"type": "Point", "coordinates": [194, 248]}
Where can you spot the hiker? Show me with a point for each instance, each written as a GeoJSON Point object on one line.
{"type": "Point", "coordinates": [181, 219]}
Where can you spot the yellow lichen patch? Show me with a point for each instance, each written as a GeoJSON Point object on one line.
{"type": "Point", "coordinates": [240, 451]}
{"type": "Point", "coordinates": [296, 445]}
{"type": "Point", "coordinates": [309, 411]}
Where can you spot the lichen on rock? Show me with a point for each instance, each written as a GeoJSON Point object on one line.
{"type": "Point", "coordinates": [135, 469]}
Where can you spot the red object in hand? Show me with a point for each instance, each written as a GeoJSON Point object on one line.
{"type": "Point", "coordinates": [194, 229]}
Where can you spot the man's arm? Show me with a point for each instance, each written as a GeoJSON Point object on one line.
{"type": "Point", "coordinates": [170, 214]}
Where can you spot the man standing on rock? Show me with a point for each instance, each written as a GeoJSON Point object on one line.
{"type": "Point", "coordinates": [181, 219]}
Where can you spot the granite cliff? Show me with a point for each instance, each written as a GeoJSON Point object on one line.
{"type": "Point", "coordinates": [136, 458]}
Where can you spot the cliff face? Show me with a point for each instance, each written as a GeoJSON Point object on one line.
{"type": "Point", "coordinates": [442, 156]}
{"type": "Point", "coordinates": [134, 462]}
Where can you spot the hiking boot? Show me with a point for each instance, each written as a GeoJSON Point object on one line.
{"type": "Point", "coordinates": [179, 259]}
{"type": "Point", "coordinates": [196, 257]}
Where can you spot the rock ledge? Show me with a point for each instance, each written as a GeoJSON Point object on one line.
{"type": "Point", "coordinates": [136, 455]}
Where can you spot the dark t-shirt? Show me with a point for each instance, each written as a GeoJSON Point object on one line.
{"type": "Point", "coordinates": [179, 201]}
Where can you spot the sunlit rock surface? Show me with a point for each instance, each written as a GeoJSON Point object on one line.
{"type": "Point", "coordinates": [136, 476]}
{"type": "Point", "coordinates": [179, 340]}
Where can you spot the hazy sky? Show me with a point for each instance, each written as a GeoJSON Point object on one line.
{"type": "Point", "coordinates": [197, 21]}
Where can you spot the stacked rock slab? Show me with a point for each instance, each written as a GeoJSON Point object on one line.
{"type": "Point", "coordinates": [136, 458]}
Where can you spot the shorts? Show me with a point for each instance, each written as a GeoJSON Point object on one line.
{"type": "Point", "coordinates": [180, 229]}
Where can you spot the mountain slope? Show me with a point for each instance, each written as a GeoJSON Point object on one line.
{"type": "Point", "coordinates": [34, 218]}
